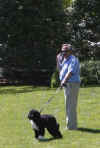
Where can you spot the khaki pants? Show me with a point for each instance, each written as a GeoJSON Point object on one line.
{"type": "Point", "coordinates": [71, 95]}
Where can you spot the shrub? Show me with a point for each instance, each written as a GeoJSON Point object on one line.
{"type": "Point", "coordinates": [90, 72]}
{"type": "Point", "coordinates": [55, 79]}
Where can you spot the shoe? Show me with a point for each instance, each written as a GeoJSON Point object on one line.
{"type": "Point", "coordinates": [66, 128]}
{"type": "Point", "coordinates": [70, 128]}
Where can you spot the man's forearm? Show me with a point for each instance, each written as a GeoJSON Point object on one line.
{"type": "Point", "coordinates": [67, 77]}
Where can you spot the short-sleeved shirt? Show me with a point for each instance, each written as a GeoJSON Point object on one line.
{"type": "Point", "coordinates": [71, 64]}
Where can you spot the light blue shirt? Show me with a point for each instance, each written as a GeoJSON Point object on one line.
{"type": "Point", "coordinates": [71, 64]}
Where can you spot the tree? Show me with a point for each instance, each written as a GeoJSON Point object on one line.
{"type": "Point", "coordinates": [84, 20]}
{"type": "Point", "coordinates": [67, 3]}
{"type": "Point", "coordinates": [31, 31]}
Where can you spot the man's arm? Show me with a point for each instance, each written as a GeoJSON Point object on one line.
{"type": "Point", "coordinates": [66, 78]}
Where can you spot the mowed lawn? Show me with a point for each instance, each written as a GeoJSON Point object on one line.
{"type": "Point", "coordinates": [16, 131]}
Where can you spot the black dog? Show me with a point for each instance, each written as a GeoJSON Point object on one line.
{"type": "Point", "coordinates": [40, 122]}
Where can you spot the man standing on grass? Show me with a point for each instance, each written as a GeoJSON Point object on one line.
{"type": "Point", "coordinates": [69, 73]}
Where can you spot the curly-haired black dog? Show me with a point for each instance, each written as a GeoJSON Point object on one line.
{"type": "Point", "coordinates": [40, 122]}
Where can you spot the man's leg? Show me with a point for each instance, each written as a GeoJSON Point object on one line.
{"type": "Point", "coordinates": [71, 95]}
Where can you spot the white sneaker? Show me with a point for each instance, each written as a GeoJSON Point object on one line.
{"type": "Point", "coordinates": [41, 138]}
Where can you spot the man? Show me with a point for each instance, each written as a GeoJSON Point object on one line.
{"type": "Point", "coordinates": [69, 74]}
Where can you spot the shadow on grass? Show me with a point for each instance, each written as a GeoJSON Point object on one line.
{"type": "Point", "coordinates": [21, 89]}
{"type": "Point", "coordinates": [89, 130]}
{"type": "Point", "coordinates": [49, 139]}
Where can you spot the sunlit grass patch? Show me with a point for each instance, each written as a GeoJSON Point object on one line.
{"type": "Point", "coordinates": [15, 129]}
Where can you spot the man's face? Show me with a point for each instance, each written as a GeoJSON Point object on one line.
{"type": "Point", "coordinates": [66, 53]}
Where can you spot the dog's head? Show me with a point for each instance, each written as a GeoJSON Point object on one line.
{"type": "Point", "coordinates": [33, 114]}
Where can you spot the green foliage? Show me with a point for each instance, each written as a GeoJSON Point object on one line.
{"type": "Point", "coordinates": [83, 25]}
{"type": "Point", "coordinates": [31, 31]}
{"type": "Point", "coordinates": [55, 79]}
{"type": "Point", "coordinates": [90, 72]}
{"type": "Point", "coordinates": [67, 3]}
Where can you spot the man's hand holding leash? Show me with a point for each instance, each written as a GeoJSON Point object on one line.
{"type": "Point", "coordinates": [64, 81]}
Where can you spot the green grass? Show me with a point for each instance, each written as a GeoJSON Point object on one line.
{"type": "Point", "coordinates": [15, 129]}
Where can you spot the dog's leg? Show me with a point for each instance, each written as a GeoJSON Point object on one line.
{"type": "Point", "coordinates": [54, 132]}
{"type": "Point", "coordinates": [58, 134]}
{"type": "Point", "coordinates": [36, 133]}
{"type": "Point", "coordinates": [41, 133]}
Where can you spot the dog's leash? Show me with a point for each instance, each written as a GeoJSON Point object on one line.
{"type": "Point", "coordinates": [49, 100]}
